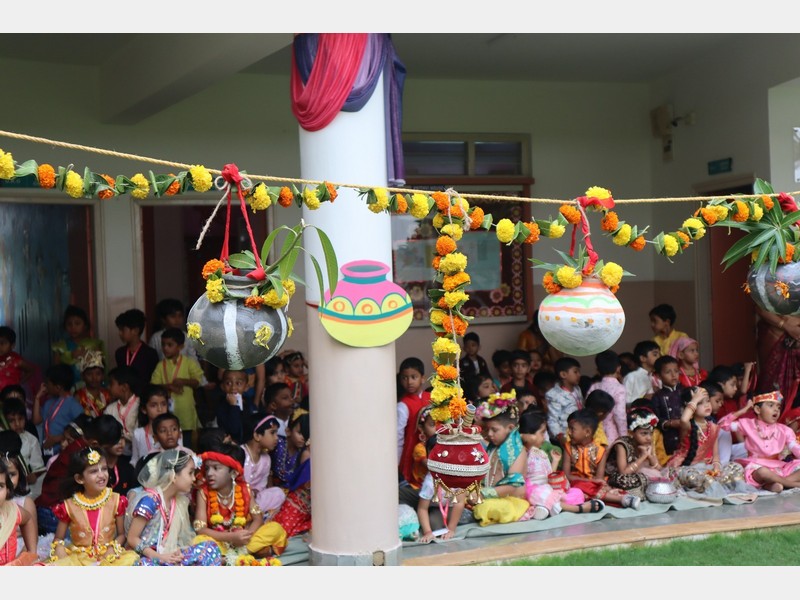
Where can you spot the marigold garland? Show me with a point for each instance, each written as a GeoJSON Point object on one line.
{"type": "Point", "coordinates": [46, 175]}
{"type": "Point", "coordinates": [238, 518]}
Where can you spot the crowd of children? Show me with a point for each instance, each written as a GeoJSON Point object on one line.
{"type": "Point", "coordinates": [559, 440]}
{"type": "Point", "coordinates": [156, 459]}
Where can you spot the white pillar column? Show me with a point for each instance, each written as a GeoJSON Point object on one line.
{"type": "Point", "coordinates": [352, 390]}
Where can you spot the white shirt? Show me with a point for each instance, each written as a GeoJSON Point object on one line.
{"type": "Point", "coordinates": [32, 453]}
{"type": "Point", "coordinates": [637, 384]}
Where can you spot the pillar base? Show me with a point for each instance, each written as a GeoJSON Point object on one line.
{"type": "Point", "coordinates": [379, 558]}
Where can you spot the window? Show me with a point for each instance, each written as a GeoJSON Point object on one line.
{"type": "Point", "coordinates": [466, 155]}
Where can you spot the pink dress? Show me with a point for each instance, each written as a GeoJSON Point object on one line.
{"type": "Point", "coordinates": [256, 475]}
{"type": "Point", "coordinates": [764, 444]}
{"type": "Point", "coordinates": [538, 491]}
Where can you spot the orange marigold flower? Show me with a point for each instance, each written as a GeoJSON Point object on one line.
{"type": "Point", "coordinates": [451, 282]}
{"type": "Point", "coordinates": [571, 214]}
{"type": "Point", "coordinates": [550, 286]}
{"type": "Point", "coordinates": [253, 301]}
{"type": "Point", "coordinates": [780, 287]}
{"type": "Point", "coordinates": [768, 203]}
{"type": "Point", "coordinates": [789, 253]}
{"type": "Point", "coordinates": [442, 201]}
{"type": "Point", "coordinates": [447, 372]}
{"type": "Point", "coordinates": [746, 288]}
{"type": "Point", "coordinates": [331, 191]}
{"type": "Point", "coordinates": [173, 187]}
{"type": "Point", "coordinates": [476, 217]}
{"type": "Point", "coordinates": [614, 289]}
{"type": "Point", "coordinates": [442, 304]}
{"type": "Point", "coordinates": [445, 245]}
{"type": "Point", "coordinates": [685, 239]}
{"type": "Point", "coordinates": [402, 204]}
{"type": "Point", "coordinates": [455, 325]}
{"type": "Point", "coordinates": [436, 261]}
{"type": "Point", "coordinates": [708, 216]}
{"type": "Point", "coordinates": [285, 197]}
{"type": "Point", "coordinates": [610, 222]}
{"type": "Point", "coordinates": [456, 211]}
{"type": "Point", "coordinates": [435, 364]}
{"type": "Point", "coordinates": [533, 236]}
{"type": "Point", "coordinates": [106, 194]}
{"type": "Point", "coordinates": [212, 267]}
{"type": "Point", "coordinates": [742, 212]}
{"type": "Point", "coordinates": [638, 243]}
{"type": "Point", "coordinates": [458, 407]}
{"type": "Point", "coordinates": [47, 176]}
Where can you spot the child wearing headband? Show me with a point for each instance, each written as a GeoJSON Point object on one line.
{"type": "Point", "coordinates": [261, 438]}
{"type": "Point", "coordinates": [765, 439]}
{"type": "Point", "coordinates": [632, 462]}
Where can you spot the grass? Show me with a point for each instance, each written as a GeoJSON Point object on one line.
{"type": "Point", "coordinates": [766, 547]}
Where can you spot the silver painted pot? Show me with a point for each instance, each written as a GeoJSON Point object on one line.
{"type": "Point", "coordinates": [661, 492]}
{"type": "Point", "coordinates": [769, 296]}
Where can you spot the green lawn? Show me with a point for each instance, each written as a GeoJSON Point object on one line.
{"type": "Point", "coordinates": [768, 547]}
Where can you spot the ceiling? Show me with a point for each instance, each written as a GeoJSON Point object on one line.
{"type": "Point", "coordinates": [627, 57]}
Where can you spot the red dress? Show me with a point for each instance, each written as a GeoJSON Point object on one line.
{"type": "Point", "coordinates": [10, 373]}
{"type": "Point", "coordinates": [415, 403]}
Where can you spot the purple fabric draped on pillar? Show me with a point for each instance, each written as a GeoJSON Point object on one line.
{"type": "Point", "coordinates": [379, 57]}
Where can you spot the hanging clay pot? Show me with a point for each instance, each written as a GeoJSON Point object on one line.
{"type": "Point", "coordinates": [459, 459]}
{"type": "Point", "coordinates": [777, 292]}
{"type": "Point", "coordinates": [232, 335]}
{"type": "Point", "coordinates": [582, 321]}
{"type": "Point", "coordinates": [367, 310]}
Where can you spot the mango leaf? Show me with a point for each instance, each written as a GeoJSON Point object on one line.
{"type": "Point", "coordinates": [790, 218]}
{"type": "Point", "coordinates": [762, 187]}
{"type": "Point", "coordinates": [29, 167]}
{"type": "Point", "coordinates": [277, 285]}
{"type": "Point", "coordinates": [331, 263]}
{"type": "Point", "coordinates": [242, 261]}
{"type": "Point", "coordinates": [287, 265]}
{"type": "Point", "coordinates": [266, 247]}
{"type": "Point", "coordinates": [773, 259]}
{"type": "Point", "coordinates": [321, 283]}
{"type": "Point", "coordinates": [487, 221]}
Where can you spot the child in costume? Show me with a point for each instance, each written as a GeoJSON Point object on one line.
{"type": "Point", "coordinates": [426, 429]}
{"type": "Point", "coordinates": [10, 457]}
{"type": "Point", "coordinates": [667, 403]}
{"type": "Point", "coordinates": [227, 514]}
{"type": "Point", "coordinates": [632, 462]}
{"type": "Point", "coordinates": [295, 366]}
{"type": "Point", "coordinates": [698, 434]}
{"type": "Point", "coordinates": [261, 438]}
{"type": "Point", "coordinates": [93, 397]}
{"type": "Point", "coordinates": [160, 529]}
{"type": "Point", "coordinates": [585, 462]}
{"type": "Point", "coordinates": [545, 500]}
{"type": "Point", "coordinates": [412, 399]}
{"type": "Point", "coordinates": [430, 512]}
{"type": "Point", "coordinates": [687, 352]}
{"type": "Point", "coordinates": [765, 439]}
{"type": "Point", "coordinates": [93, 514]}
{"type": "Point", "coordinates": [12, 516]}
{"type": "Point", "coordinates": [295, 512]}
{"type": "Point", "coordinates": [499, 417]}
{"type": "Point", "coordinates": [76, 342]}
{"type": "Point", "coordinates": [14, 369]}
{"type": "Point", "coordinates": [31, 450]}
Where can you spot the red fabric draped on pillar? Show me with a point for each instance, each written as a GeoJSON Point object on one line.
{"type": "Point", "coordinates": [336, 66]}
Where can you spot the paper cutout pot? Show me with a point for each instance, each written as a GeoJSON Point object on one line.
{"type": "Point", "coordinates": [582, 321]}
{"type": "Point", "coordinates": [777, 292]}
{"type": "Point", "coordinates": [233, 336]}
{"type": "Point", "coordinates": [366, 310]}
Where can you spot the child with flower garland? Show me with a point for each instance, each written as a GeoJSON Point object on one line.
{"type": "Point", "coordinates": [227, 514]}
{"type": "Point", "coordinates": [506, 476]}
{"type": "Point", "coordinates": [93, 514]}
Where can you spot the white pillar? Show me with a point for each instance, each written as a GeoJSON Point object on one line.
{"type": "Point", "coordinates": [352, 390]}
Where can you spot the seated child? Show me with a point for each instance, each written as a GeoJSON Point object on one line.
{"type": "Point", "coordinates": [230, 406]}
{"type": "Point", "coordinates": [93, 397]}
{"type": "Point", "coordinates": [639, 383]}
{"type": "Point", "coordinates": [279, 402]}
{"type": "Point", "coordinates": [167, 431]}
{"type": "Point", "coordinates": [658, 438]}
{"type": "Point", "coordinates": [261, 438]}
{"type": "Point", "coordinates": [472, 363]}
{"type": "Point", "coordinates": [540, 494]}
{"type": "Point", "coordinates": [585, 462]}
{"type": "Point", "coordinates": [479, 387]}
{"type": "Point", "coordinates": [54, 407]}
{"type": "Point", "coordinates": [564, 398]}
{"type": "Point", "coordinates": [431, 517]}
{"type": "Point", "coordinates": [633, 462]}
{"type": "Point", "coordinates": [501, 359]}
{"type": "Point", "coordinates": [601, 404]}
{"type": "Point", "coordinates": [12, 517]}
{"type": "Point", "coordinates": [294, 514]}
{"type": "Point", "coordinates": [609, 368]}
{"type": "Point", "coordinates": [543, 382]}
{"type": "Point", "coordinates": [667, 403]}
{"type": "Point", "coordinates": [14, 370]}
{"type": "Point", "coordinates": [506, 456]}
{"type": "Point", "coordinates": [698, 433]}
{"type": "Point", "coordinates": [687, 352]}
{"type": "Point", "coordinates": [662, 322]}
{"type": "Point", "coordinates": [11, 458]}
{"type": "Point", "coordinates": [520, 371]}
{"type": "Point", "coordinates": [227, 513]}
{"type": "Point", "coordinates": [31, 451]}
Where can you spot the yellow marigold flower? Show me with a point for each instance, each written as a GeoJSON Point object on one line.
{"type": "Point", "coordinates": [310, 198]}
{"type": "Point", "coordinates": [441, 394]}
{"type": "Point", "coordinates": [550, 286]}
{"type": "Point", "coordinates": [505, 230]}
{"type": "Point", "coordinates": [194, 331]}
{"type": "Point", "coordinates": [437, 221]}
{"type": "Point", "coordinates": [445, 346]}
{"type": "Point", "coordinates": [757, 213]}
{"type": "Point", "coordinates": [212, 267]}
{"type": "Point", "coordinates": [437, 316]}
{"type": "Point", "coordinates": [440, 414]}
{"type": "Point", "coordinates": [46, 176]}
{"type": "Point", "coordinates": [458, 407]}
{"type": "Point", "coordinates": [611, 274]}
{"type": "Point", "coordinates": [610, 222]}
{"type": "Point", "coordinates": [476, 217]}
{"type": "Point", "coordinates": [453, 263]}
{"type": "Point", "coordinates": [6, 165]}
{"type": "Point", "coordinates": [142, 188]}
{"type": "Point", "coordinates": [451, 282]}
{"type": "Point", "coordinates": [533, 235]}
{"type": "Point", "coordinates": [454, 230]}
{"type": "Point", "coordinates": [419, 206]}
{"type": "Point", "coordinates": [638, 244]}
{"type": "Point", "coordinates": [106, 194]}
{"type": "Point", "coordinates": [445, 245]}
{"type": "Point", "coordinates": [598, 192]}
{"type": "Point", "coordinates": [442, 201]}
{"type": "Point", "coordinates": [447, 372]}
{"type": "Point", "coordinates": [768, 202]}
{"type": "Point", "coordinates": [201, 178]}
{"type": "Point", "coordinates": [215, 290]}
{"type": "Point", "coordinates": [556, 230]}
{"type": "Point", "coordinates": [215, 519]}
{"type": "Point", "coordinates": [753, 256]}
{"type": "Point", "coordinates": [685, 239]}
{"type": "Point", "coordinates": [285, 197]}
{"type": "Point", "coordinates": [288, 287]}
{"type": "Point", "coordinates": [382, 200]}
{"type": "Point", "coordinates": [568, 277]}
{"type": "Point", "coordinates": [402, 204]}
{"type": "Point", "coordinates": [719, 210]}
{"type": "Point", "coordinates": [262, 337]}
{"type": "Point", "coordinates": [742, 211]}
{"type": "Point", "coordinates": [74, 185]}
{"type": "Point", "coordinates": [709, 216]}
{"type": "Point", "coordinates": [452, 299]}
{"type": "Point", "coordinates": [696, 228]}
{"type": "Point", "coordinates": [571, 214]}
{"type": "Point", "coordinates": [271, 299]}
{"type": "Point", "coordinates": [623, 236]}
{"type": "Point", "coordinates": [259, 199]}
{"type": "Point", "coordinates": [289, 327]}
{"type": "Point", "coordinates": [670, 245]}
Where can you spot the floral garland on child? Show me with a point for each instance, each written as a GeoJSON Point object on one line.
{"type": "Point", "coordinates": [238, 518]}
